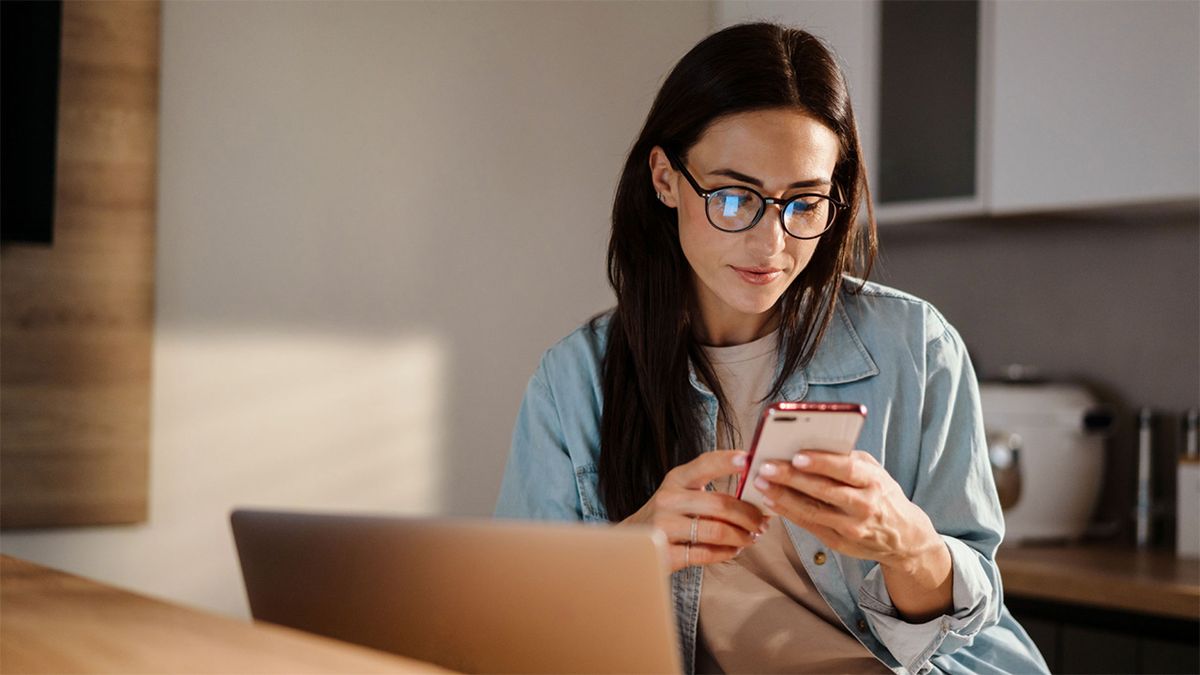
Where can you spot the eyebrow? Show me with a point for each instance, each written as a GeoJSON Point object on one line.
{"type": "Point", "coordinates": [737, 175]}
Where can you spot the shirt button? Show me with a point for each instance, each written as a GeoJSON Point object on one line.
{"type": "Point", "coordinates": [819, 557]}
{"type": "Point", "coordinates": [862, 625]}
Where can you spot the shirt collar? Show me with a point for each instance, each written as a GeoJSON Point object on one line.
{"type": "Point", "coordinates": [841, 357]}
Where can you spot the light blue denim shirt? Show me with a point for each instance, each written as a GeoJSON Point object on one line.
{"type": "Point", "coordinates": [885, 349]}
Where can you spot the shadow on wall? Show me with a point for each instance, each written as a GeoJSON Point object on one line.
{"type": "Point", "coordinates": [1109, 298]}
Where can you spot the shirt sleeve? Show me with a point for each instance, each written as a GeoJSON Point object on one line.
{"type": "Point", "coordinates": [955, 488]}
{"type": "Point", "coordinates": [539, 481]}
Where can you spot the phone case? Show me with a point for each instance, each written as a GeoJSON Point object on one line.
{"type": "Point", "coordinates": [785, 428]}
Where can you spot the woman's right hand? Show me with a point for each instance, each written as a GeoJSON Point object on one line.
{"type": "Point", "coordinates": [724, 524]}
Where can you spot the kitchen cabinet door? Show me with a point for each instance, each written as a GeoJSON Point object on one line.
{"type": "Point", "coordinates": [928, 82]}
{"type": "Point", "coordinates": [1090, 650]}
{"type": "Point", "coordinates": [1090, 103]}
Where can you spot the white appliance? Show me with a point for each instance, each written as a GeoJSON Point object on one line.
{"type": "Point", "coordinates": [1056, 450]}
{"type": "Point", "coordinates": [1187, 532]}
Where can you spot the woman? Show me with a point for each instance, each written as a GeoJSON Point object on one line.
{"type": "Point", "coordinates": [734, 231]}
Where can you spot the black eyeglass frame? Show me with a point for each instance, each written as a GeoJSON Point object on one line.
{"type": "Point", "coordinates": [783, 203]}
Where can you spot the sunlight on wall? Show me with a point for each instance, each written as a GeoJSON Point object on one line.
{"type": "Point", "coordinates": [281, 420]}
{"type": "Point", "coordinates": [265, 420]}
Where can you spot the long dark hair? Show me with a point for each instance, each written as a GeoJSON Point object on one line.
{"type": "Point", "coordinates": [651, 421]}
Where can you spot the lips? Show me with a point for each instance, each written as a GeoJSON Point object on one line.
{"type": "Point", "coordinates": [758, 276]}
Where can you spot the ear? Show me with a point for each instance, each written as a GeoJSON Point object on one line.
{"type": "Point", "coordinates": [664, 177]}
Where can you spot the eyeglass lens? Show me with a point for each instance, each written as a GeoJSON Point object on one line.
{"type": "Point", "coordinates": [738, 209]}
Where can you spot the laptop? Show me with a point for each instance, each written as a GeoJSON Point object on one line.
{"type": "Point", "coordinates": [490, 596]}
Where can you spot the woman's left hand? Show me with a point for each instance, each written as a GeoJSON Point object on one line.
{"type": "Point", "coordinates": [850, 503]}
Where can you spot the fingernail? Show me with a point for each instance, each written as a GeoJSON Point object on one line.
{"type": "Point", "coordinates": [739, 460]}
{"type": "Point", "coordinates": [761, 483]}
{"type": "Point", "coordinates": [768, 501]}
{"type": "Point", "coordinates": [801, 461]}
{"type": "Point", "coordinates": [768, 470]}
{"type": "Point", "coordinates": [755, 535]}
{"type": "Point", "coordinates": [765, 524]}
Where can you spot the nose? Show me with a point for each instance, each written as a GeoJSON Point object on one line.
{"type": "Point", "coordinates": [767, 237]}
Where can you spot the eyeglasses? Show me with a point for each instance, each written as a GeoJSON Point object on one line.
{"type": "Point", "coordinates": [737, 208]}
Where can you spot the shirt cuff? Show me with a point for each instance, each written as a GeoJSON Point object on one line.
{"type": "Point", "coordinates": [913, 644]}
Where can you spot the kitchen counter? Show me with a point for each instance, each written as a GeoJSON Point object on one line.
{"type": "Point", "coordinates": [1148, 582]}
{"type": "Point", "coordinates": [54, 622]}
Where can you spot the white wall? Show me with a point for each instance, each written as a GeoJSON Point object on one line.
{"type": "Point", "coordinates": [373, 218]}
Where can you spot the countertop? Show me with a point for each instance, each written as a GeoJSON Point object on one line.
{"type": "Point", "coordinates": [54, 622]}
{"type": "Point", "coordinates": [57, 622]}
{"type": "Point", "coordinates": [1149, 582]}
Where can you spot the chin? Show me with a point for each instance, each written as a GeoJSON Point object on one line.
{"type": "Point", "coordinates": [758, 304]}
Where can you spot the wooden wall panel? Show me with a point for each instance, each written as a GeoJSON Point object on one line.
{"type": "Point", "coordinates": [77, 319]}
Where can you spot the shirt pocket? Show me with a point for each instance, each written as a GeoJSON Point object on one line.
{"type": "Point", "coordinates": [587, 480]}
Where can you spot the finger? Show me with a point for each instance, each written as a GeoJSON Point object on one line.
{"type": "Point", "coordinates": [806, 511]}
{"type": "Point", "coordinates": [706, 468]}
{"type": "Point", "coordinates": [708, 531]}
{"type": "Point", "coordinates": [715, 505]}
{"type": "Point", "coordinates": [850, 499]}
{"type": "Point", "coordinates": [700, 554]}
{"type": "Point", "coordinates": [853, 468]}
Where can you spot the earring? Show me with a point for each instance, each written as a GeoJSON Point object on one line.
{"type": "Point", "coordinates": [659, 195]}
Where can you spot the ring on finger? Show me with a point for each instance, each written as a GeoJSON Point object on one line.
{"type": "Point", "coordinates": [687, 555]}
{"type": "Point", "coordinates": [695, 527]}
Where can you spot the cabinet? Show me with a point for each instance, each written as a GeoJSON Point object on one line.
{"type": "Point", "coordinates": [1071, 105]}
{"type": "Point", "coordinates": [1083, 639]}
{"type": "Point", "coordinates": [1103, 97]}
{"type": "Point", "coordinates": [1103, 609]}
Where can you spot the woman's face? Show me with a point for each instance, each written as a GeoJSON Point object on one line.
{"type": "Point", "coordinates": [740, 276]}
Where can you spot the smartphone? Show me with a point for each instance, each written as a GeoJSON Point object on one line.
{"type": "Point", "coordinates": [786, 428]}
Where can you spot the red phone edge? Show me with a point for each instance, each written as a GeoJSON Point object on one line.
{"type": "Point", "coordinates": [791, 406]}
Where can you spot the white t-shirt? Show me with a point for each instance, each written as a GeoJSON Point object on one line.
{"type": "Point", "coordinates": [760, 612]}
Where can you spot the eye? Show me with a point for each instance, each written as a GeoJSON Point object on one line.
{"type": "Point", "coordinates": [734, 201]}
{"type": "Point", "coordinates": [808, 207]}
{"type": "Point", "coordinates": [808, 203]}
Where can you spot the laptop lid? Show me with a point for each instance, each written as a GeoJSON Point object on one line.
{"type": "Point", "coordinates": [470, 595]}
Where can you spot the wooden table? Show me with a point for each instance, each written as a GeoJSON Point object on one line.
{"type": "Point", "coordinates": [1147, 582]}
{"type": "Point", "coordinates": [53, 622]}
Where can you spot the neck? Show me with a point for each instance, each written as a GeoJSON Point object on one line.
{"type": "Point", "coordinates": [730, 331]}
